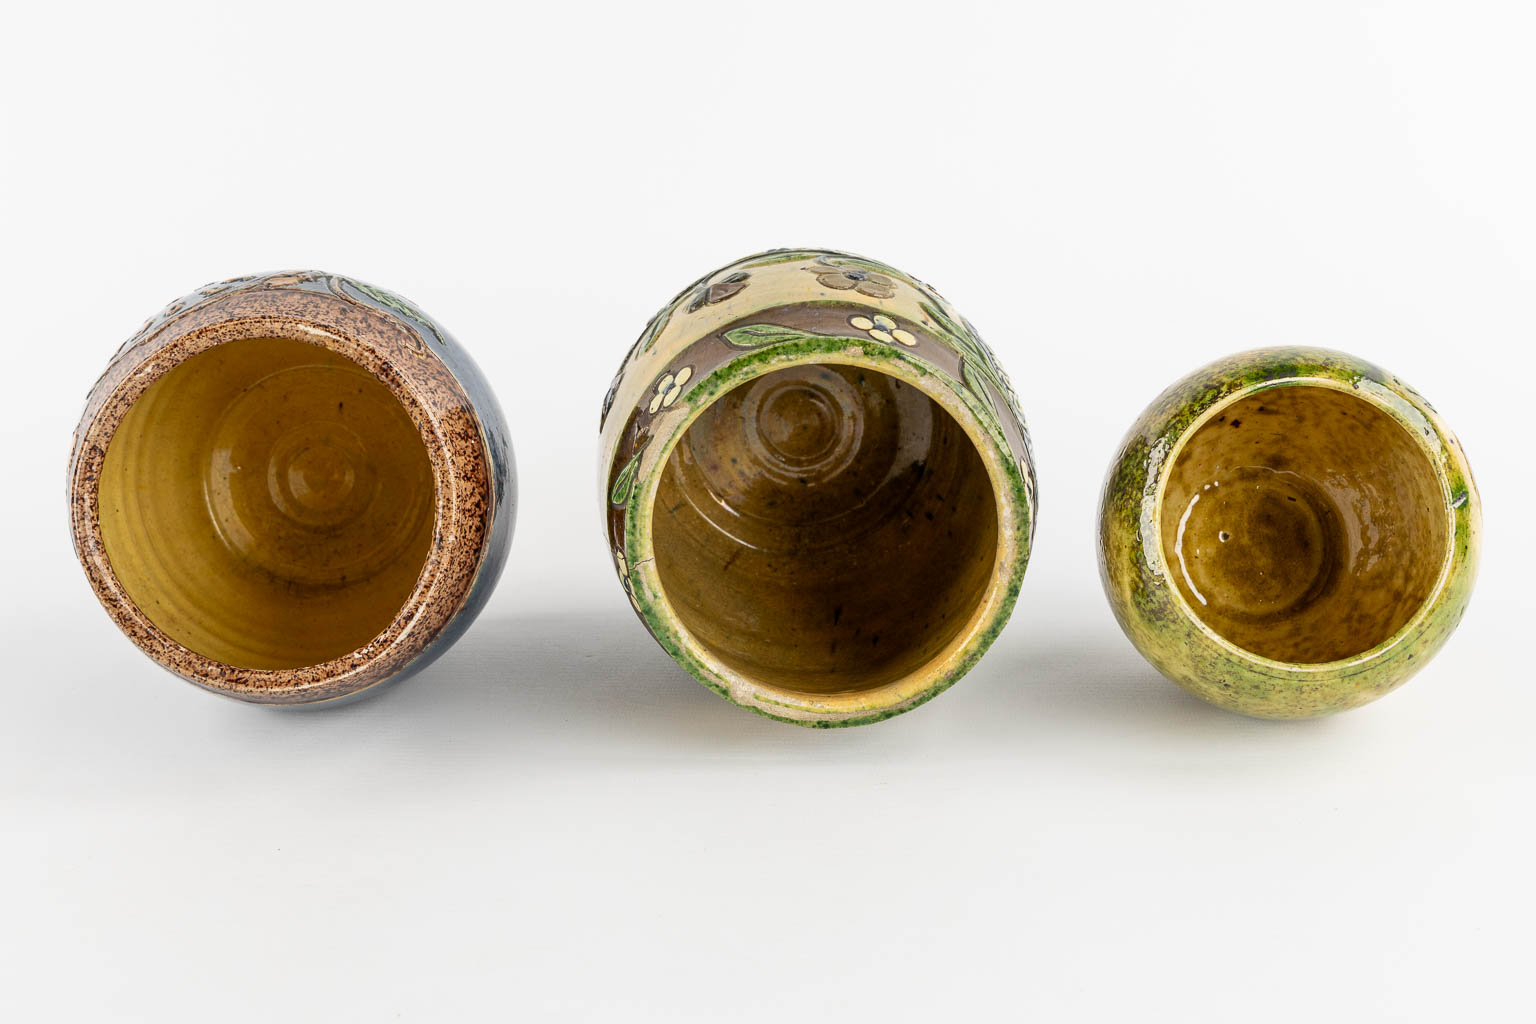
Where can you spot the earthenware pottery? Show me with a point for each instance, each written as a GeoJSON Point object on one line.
{"type": "Point", "coordinates": [1289, 532]}
{"type": "Point", "coordinates": [817, 487]}
{"type": "Point", "coordinates": [289, 488]}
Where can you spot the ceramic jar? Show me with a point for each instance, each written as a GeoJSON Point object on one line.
{"type": "Point", "coordinates": [817, 487]}
{"type": "Point", "coordinates": [1289, 532]}
{"type": "Point", "coordinates": [289, 488]}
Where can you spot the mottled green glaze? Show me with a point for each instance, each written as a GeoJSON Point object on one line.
{"type": "Point", "coordinates": [1161, 622]}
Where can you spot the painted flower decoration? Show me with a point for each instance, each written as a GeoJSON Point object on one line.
{"type": "Point", "coordinates": [711, 292]}
{"type": "Point", "coordinates": [865, 282]}
{"type": "Point", "coordinates": [883, 328]}
{"type": "Point", "coordinates": [669, 387]}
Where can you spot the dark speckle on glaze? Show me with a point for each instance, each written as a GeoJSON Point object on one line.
{"type": "Point", "coordinates": [819, 491]}
{"type": "Point", "coordinates": [1289, 532]}
{"type": "Point", "coordinates": [441, 391]}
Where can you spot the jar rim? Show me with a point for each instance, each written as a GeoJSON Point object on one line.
{"type": "Point", "coordinates": [393, 353]}
{"type": "Point", "coordinates": [1015, 518]}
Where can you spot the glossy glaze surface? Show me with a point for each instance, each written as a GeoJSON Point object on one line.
{"type": "Point", "coordinates": [289, 488]}
{"type": "Point", "coordinates": [1289, 532]}
{"type": "Point", "coordinates": [267, 504]}
{"type": "Point", "coordinates": [818, 487]}
{"type": "Point", "coordinates": [825, 529]}
{"type": "Point", "coordinates": [1304, 524]}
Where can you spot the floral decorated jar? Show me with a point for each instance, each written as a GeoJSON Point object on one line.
{"type": "Point", "coordinates": [289, 488]}
{"type": "Point", "coordinates": [817, 487]}
{"type": "Point", "coordinates": [1289, 532]}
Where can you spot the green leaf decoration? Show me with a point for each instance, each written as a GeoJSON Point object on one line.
{"type": "Point", "coordinates": [391, 301]}
{"type": "Point", "coordinates": [654, 328]}
{"type": "Point", "coordinates": [758, 335]}
{"type": "Point", "coordinates": [957, 336]}
{"type": "Point", "coordinates": [624, 483]}
{"type": "Point", "coordinates": [975, 379]}
{"type": "Point", "coordinates": [978, 366]}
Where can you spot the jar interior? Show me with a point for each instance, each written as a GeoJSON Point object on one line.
{"type": "Point", "coordinates": [267, 504]}
{"type": "Point", "coordinates": [1304, 524]}
{"type": "Point", "coordinates": [825, 529]}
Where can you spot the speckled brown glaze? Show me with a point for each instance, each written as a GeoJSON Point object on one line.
{"type": "Point", "coordinates": [1289, 532]}
{"type": "Point", "coordinates": [447, 401]}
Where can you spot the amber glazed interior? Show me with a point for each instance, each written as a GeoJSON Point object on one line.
{"type": "Point", "coordinates": [825, 529]}
{"type": "Point", "coordinates": [267, 504]}
{"type": "Point", "coordinates": [1304, 524]}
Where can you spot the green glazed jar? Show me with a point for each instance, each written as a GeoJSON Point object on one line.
{"type": "Point", "coordinates": [1289, 532]}
{"type": "Point", "coordinates": [816, 487]}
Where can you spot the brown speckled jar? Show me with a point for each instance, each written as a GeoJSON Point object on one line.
{"type": "Point", "coordinates": [289, 488]}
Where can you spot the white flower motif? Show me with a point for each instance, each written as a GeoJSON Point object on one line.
{"type": "Point", "coordinates": [669, 387]}
{"type": "Point", "coordinates": [883, 328]}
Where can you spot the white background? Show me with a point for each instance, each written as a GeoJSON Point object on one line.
{"type": "Point", "coordinates": [556, 822]}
